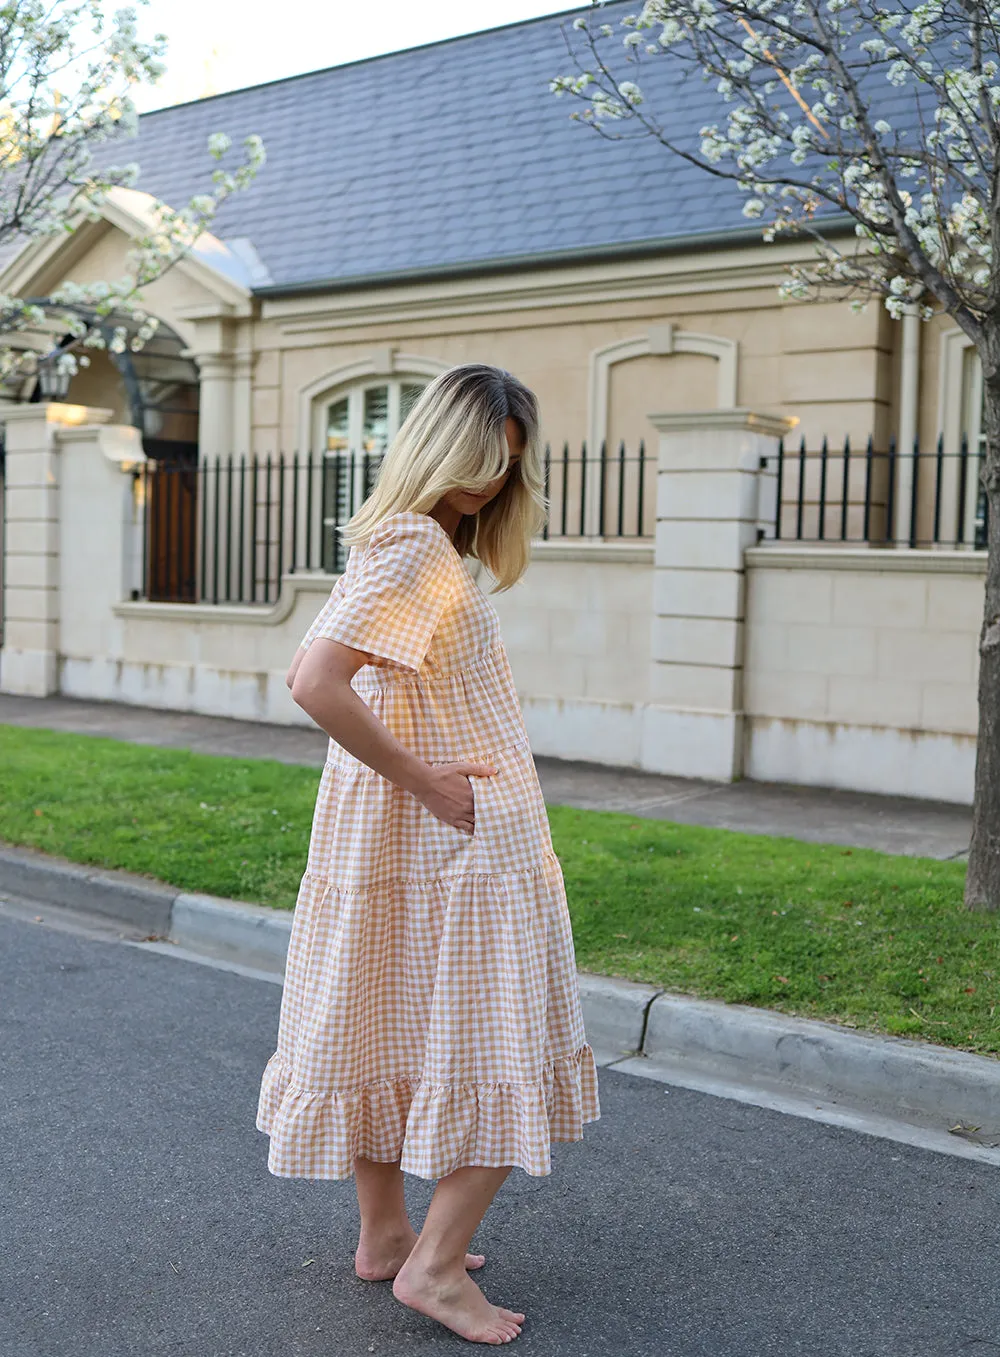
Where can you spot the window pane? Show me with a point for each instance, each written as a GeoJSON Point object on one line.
{"type": "Point", "coordinates": [375, 433]}
{"type": "Point", "coordinates": [409, 391]}
{"type": "Point", "coordinates": [336, 426]}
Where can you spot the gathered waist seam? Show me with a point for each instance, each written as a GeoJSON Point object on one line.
{"type": "Point", "coordinates": [342, 758]}
{"type": "Point", "coordinates": [374, 680]}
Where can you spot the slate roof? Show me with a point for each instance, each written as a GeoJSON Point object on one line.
{"type": "Point", "coordinates": [455, 153]}
{"type": "Point", "coordinates": [448, 154]}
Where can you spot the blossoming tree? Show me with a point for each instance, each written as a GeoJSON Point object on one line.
{"type": "Point", "coordinates": [887, 114]}
{"type": "Point", "coordinates": [67, 71]}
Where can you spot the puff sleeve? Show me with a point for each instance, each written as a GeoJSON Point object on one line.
{"type": "Point", "coordinates": [397, 596]}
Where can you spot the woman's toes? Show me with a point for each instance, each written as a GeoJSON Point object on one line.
{"type": "Point", "coordinates": [474, 1260]}
{"type": "Point", "coordinates": [511, 1316]}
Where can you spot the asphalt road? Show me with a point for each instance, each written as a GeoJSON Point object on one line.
{"type": "Point", "coordinates": [137, 1216]}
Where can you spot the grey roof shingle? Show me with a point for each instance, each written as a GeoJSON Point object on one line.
{"type": "Point", "coordinates": [444, 155]}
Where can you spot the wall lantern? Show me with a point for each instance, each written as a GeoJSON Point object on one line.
{"type": "Point", "coordinates": [53, 377]}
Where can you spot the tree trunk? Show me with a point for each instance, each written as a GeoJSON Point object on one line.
{"type": "Point", "coordinates": [982, 882]}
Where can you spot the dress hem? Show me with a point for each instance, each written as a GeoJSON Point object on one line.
{"type": "Point", "coordinates": [430, 1129]}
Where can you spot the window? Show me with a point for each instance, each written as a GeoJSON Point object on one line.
{"type": "Point", "coordinates": [359, 426]}
{"type": "Point", "coordinates": [972, 523]}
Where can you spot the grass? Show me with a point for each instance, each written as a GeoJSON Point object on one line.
{"type": "Point", "coordinates": [875, 942]}
{"type": "Point", "coordinates": [230, 827]}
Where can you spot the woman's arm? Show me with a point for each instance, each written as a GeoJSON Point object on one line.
{"type": "Point", "coordinates": [293, 668]}
{"type": "Point", "coordinates": [321, 686]}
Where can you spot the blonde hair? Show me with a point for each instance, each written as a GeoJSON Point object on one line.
{"type": "Point", "coordinates": [454, 439]}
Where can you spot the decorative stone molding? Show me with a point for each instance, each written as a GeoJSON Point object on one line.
{"type": "Point", "coordinates": [315, 584]}
{"type": "Point", "coordinates": [383, 361]}
{"type": "Point", "coordinates": [662, 339]}
{"type": "Point", "coordinates": [753, 421]}
{"type": "Point", "coordinates": [872, 560]}
{"type": "Point", "coordinates": [954, 420]}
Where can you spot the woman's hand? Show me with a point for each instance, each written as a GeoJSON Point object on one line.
{"type": "Point", "coordinates": [447, 792]}
{"type": "Point", "coordinates": [321, 686]}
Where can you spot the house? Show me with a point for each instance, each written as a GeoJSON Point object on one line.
{"type": "Point", "coordinates": [438, 205]}
{"type": "Point", "coordinates": [429, 205]}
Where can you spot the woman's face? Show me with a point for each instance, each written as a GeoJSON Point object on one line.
{"type": "Point", "coordinates": [468, 503]}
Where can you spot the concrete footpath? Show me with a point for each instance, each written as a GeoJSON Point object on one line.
{"type": "Point", "coordinates": [907, 1090]}
{"type": "Point", "coordinates": [887, 823]}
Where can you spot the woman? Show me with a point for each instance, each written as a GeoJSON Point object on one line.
{"type": "Point", "coordinates": [430, 1019]}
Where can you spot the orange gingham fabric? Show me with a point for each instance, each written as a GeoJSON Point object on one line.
{"type": "Point", "coordinates": [430, 1011]}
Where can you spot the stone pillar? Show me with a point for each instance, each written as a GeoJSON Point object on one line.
{"type": "Point", "coordinates": [243, 365]}
{"type": "Point", "coordinates": [102, 524]}
{"type": "Point", "coordinates": [215, 405]}
{"type": "Point", "coordinates": [66, 517]}
{"type": "Point", "coordinates": [713, 495]}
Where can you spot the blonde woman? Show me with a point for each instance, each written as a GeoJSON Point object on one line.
{"type": "Point", "coordinates": [430, 1020]}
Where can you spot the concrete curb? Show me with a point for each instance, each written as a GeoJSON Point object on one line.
{"type": "Point", "coordinates": [626, 1022]}
{"type": "Point", "coordinates": [909, 1080]}
{"type": "Point", "coordinates": [615, 1014]}
{"type": "Point", "coordinates": [231, 930]}
{"type": "Point", "coordinates": [131, 899]}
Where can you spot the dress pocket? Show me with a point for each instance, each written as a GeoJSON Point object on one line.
{"type": "Point", "coordinates": [476, 811]}
{"type": "Point", "coordinates": [477, 806]}
{"type": "Point", "coordinates": [439, 847]}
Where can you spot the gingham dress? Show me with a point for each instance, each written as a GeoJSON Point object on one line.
{"type": "Point", "coordinates": [430, 1011]}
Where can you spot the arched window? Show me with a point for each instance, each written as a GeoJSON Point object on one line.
{"type": "Point", "coordinates": [358, 425]}
{"type": "Point", "coordinates": [368, 415]}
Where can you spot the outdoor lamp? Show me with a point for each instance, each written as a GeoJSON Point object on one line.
{"type": "Point", "coordinates": [53, 378]}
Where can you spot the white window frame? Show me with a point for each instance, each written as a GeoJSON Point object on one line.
{"type": "Point", "coordinates": [960, 414]}
{"type": "Point", "coordinates": [384, 365]}
{"type": "Point", "coordinates": [355, 397]}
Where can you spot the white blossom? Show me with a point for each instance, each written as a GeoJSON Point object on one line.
{"type": "Point", "coordinates": [799, 133]}
{"type": "Point", "coordinates": [67, 69]}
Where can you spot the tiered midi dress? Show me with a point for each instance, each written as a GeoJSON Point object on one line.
{"type": "Point", "coordinates": [430, 1012]}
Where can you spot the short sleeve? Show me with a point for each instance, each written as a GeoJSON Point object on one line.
{"type": "Point", "coordinates": [324, 615]}
{"type": "Point", "coordinates": [397, 595]}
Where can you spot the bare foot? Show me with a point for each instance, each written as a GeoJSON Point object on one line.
{"type": "Point", "coordinates": [379, 1260]}
{"type": "Point", "coordinates": [458, 1303]}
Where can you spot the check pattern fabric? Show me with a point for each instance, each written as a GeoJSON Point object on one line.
{"type": "Point", "coordinates": [430, 1012]}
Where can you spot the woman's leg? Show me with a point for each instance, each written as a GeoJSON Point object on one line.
{"type": "Point", "coordinates": [386, 1233]}
{"type": "Point", "coordinates": [433, 1279]}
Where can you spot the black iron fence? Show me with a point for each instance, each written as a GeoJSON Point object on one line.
{"type": "Point", "coordinates": [610, 494]}
{"type": "Point", "coordinates": [893, 497]}
{"type": "Point", "coordinates": [225, 530]}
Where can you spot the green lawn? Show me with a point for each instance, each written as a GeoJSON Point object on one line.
{"type": "Point", "coordinates": [877, 942]}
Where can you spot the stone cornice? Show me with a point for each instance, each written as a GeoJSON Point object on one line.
{"type": "Point", "coordinates": [738, 268]}
{"type": "Point", "coordinates": [898, 560]}
{"type": "Point", "coordinates": [752, 420]}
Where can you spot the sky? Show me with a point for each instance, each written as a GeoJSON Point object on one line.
{"type": "Point", "coordinates": [215, 45]}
